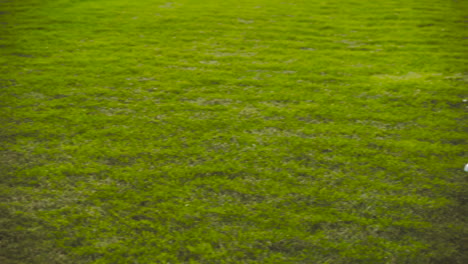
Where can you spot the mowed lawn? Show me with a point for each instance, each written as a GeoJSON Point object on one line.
{"type": "Point", "coordinates": [234, 131]}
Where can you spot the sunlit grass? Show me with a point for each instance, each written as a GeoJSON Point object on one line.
{"type": "Point", "coordinates": [253, 131]}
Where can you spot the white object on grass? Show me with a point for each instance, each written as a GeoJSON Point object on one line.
{"type": "Point", "coordinates": [466, 167]}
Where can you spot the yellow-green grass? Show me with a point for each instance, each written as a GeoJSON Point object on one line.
{"type": "Point", "coordinates": [235, 131]}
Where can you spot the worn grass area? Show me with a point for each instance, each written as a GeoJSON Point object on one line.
{"type": "Point", "coordinates": [235, 131]}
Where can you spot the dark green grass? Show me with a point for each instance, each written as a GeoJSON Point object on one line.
{"type": "Point", "coordinates": [230, 131]}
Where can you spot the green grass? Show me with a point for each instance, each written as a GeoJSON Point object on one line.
{"type": "Point", "coordinates": [235, 131]}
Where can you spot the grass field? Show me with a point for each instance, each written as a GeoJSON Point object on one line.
{"type": "Point", "coordinates": [234, 131]}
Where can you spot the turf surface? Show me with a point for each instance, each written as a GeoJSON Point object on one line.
{"type": "Point", "coordinates": [235, 131]}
